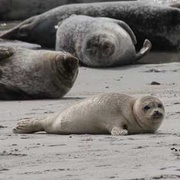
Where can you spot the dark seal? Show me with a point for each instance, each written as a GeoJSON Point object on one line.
{"type": "Point", "coordinates": [159, 24]}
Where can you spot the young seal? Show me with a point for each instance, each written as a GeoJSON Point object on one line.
{"type": "Point", "coordinates": [99, 42]}
{"type": "Point", "coordinates": [35, 74]}
{"type": "Point", "coordinates": [109, 113]}
{"type": "Point", "coordinates": [159, 24]}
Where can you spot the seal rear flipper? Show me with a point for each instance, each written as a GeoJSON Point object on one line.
{"type": "Point", "coordinates": [9, 92]}
{"type": "Point", "coordinates": [5, 52]}
{"type": "Point", "coordinates": [144, 50]}
{"type": "Point", "coordinates": [20, 30]}
{"type": "Point", "coordinates": [29, 126]}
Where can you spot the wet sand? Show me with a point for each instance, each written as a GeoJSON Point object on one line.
{"type": "Point", "coordinates": [79, 157]}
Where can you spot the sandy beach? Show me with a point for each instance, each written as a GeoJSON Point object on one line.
{"type": "Point", "coordinates": [78, 157]}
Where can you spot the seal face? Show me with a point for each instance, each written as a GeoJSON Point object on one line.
{"type": "Point", "coordinates": [163, 31]}
{"type": "Point", "coordinates": [98, 42]}
{"type": "Point", "coordinates": [32, 74]}
{"type": "Point", "coordinates": [109, 113]}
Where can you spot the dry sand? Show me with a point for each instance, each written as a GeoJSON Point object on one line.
{"type": "Point", "coordinates": [81, 157]}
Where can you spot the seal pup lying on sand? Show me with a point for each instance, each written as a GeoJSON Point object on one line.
{"type": "Point", "coordinates": [99, 42]}
{"type": "Point", "coordinates": [159, 24]}
{"type": "Point", "coordinates": [35, 74]}
{"type": "Point", "coordinates": [109, 113]}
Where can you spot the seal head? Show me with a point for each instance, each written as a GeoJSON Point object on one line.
{"type": "Point", "coordinates": [149, 113]}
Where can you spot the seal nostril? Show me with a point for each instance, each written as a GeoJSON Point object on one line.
{"type": "Point", "coordinates": [157, 113]}
{"type": "Point", "coordinates": [70, 63]}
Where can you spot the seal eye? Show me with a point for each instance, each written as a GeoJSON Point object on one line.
{"type": "Point", "coordinates": [159, 105]}
{"type": "Point", "coordinates": [146, 108]}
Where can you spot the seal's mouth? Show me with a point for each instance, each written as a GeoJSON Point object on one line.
{"type": "Point", "coordinates": [157, 115]}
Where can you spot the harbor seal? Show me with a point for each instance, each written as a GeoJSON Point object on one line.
{"type": "Point", "coordinates": [35, 74]}
{"type": "Point", "coordinates": [21, 9]}
{"type": "Point", "coordinates": [109, 113]}
{"type": "Point", "coordinates": [159, 24]}
{"type": "Point", "coordinates": [99, 41]}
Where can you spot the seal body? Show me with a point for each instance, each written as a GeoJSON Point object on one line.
{"type": "Point", "coordinates": [32, 74]}
{"type": "Point", "coordinates": [159, 24]}
{"type": "Point", "coordinates": [110, 113]}
{"type": "Point", "coordinates": [97, 41]}
{"type": "Point", "coordinates": [21, 9]}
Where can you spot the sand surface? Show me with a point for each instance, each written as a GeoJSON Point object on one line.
{"type": "Point", "coordinates": [81, 157]}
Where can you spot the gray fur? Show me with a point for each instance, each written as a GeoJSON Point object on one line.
{"type": "Point", "coordinates": [22, 9]}
{"type": "Point", "coordinates": [159, 24]}
{"type": "Point", "coordinates": [32, 74]}
{"type": "Point", "coordinates": [98, 42]}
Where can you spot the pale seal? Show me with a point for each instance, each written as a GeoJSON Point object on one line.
{"type": "Point", "coordinates": [109, 113]}
{"type": "Point", "coordinates": [159, 24]}
{"type": "Point", "coordinates": [35, 74]}
{"type": "Point", "coordinates": [99, 42]}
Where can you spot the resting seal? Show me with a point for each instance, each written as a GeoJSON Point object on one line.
{"type": "Point", "coordinates": [21, 9]}
{"type": "Point", "coordinates": [159, 24]}
{"type": "Point", "coordinates": [99, 42]}
{"type": "Point", "coordinates": [32, 74]}
{"type": "Point", "coordinates": [110, 113]}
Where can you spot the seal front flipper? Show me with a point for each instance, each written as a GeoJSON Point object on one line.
{"type": "Point", "coordinates": [5, 52]}
{"type": "Point", "coordinates": [144, 50]}
{"type": "Point", "coordinates": [117, 131]}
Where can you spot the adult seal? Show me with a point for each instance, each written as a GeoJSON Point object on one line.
{"type": "Point", "coordinates": [21, 9]}
{"type": "Point", "coordinates": [159, 24]}
{"type": "Point", "coordinates": [35, 74]}
{"type": "Point", "coordinates": [99, 42]}
{"type": "Point", "coordinates": [110, 113]}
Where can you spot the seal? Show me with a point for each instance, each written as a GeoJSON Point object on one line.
{"type": "Point", "coordinates": [20, 9]}
{"type": "Point", "coordinates": [98, 41]}
{"type": "Point", "coordinates": [159, 24]}
{"type": "Point", "coordinates": [109, 113]}
{"type": "Point", "coordinates": [35, 74]}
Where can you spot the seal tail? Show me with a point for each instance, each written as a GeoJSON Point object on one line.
{"type": "Point", "coordinates": [144, 50]}
{"type": "Point", "coordinates": [29, 126]}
